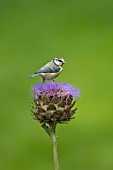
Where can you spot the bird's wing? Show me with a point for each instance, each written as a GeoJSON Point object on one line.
{"type": "Point", "coordinates": [48, 69]}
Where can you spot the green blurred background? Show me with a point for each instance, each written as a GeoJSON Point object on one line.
{"type": "Point", "coordinates": [32, 33]}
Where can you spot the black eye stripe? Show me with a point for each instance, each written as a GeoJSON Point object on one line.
{"type": "Point", "coordinates": [60, 61]}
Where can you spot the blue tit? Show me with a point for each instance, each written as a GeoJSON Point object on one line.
{"type": "Point", "coordinates": [51, 70]}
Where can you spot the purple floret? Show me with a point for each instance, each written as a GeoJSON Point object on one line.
{"type": "Point", "coordinates": [55, 88]}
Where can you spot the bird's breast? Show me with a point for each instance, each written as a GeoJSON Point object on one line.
{"type": "Point", "coordinates": [49, 76]}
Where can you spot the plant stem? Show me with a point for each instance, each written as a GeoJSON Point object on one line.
{"type": "Point", "coordinates": [54, 143]}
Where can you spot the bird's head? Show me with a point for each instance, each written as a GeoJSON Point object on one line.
{"type": "Point", "coordinates": [58, 61]}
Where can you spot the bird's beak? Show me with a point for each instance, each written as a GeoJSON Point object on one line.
{"type": "Point", "coordinates": [64, 62]}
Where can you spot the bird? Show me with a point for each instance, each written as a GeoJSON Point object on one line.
{"type": "Point", "coordinates": [51, 70]}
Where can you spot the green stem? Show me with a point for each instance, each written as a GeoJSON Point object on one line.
{"type": "Point", "coordinates": [54, 143]}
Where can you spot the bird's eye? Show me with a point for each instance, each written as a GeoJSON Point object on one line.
{"type": "Point", "coordinates": [60, 61]}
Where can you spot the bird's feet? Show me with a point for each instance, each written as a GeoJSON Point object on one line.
{"type": "Point", "coordinates": [43, 80]}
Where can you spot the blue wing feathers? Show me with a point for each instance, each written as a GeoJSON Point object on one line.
{"type": "Point", "coordinates": [48, 70]}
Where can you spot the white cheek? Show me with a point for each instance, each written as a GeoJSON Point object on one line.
{"type": "Point", "coordinates": [58, 63]}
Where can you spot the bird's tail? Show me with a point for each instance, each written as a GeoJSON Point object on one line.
{"type": "Point", "coordinates": [33, 75]}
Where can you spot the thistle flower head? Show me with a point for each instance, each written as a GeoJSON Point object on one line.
{"type": "Point", "coordinates": [54, 102]}
{"type": "Point", "coordinates": [50, 89]}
